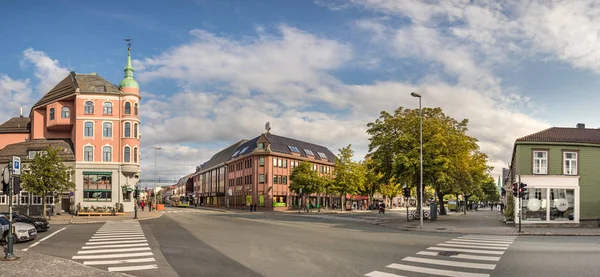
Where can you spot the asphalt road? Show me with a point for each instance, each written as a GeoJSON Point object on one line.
{"type": "Point", "coordinates": [192, 242]}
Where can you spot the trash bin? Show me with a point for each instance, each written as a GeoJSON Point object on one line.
{"type": "Point", "coordinates": [433, 212]}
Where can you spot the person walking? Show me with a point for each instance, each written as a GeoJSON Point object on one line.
{"type": "Point", "coordinates": [142, 204]}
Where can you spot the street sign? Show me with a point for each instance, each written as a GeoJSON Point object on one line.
{"type": "Point", "coordinates": [230, 192]}
{"type": "Point", "coordinates": [5, 175]}
{"type": "Point", "coordinates": [71, 194]}
{"type": "Point", "coordinates": [16, 161]}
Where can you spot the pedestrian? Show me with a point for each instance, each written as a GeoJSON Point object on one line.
{"type": "Point", "coordinates": [255, 207]}
{"type": "Point", "coordinates": [142, 204]}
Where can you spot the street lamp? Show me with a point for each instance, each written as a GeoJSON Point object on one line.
{"type": "Point", "coordinates": [414, 94]}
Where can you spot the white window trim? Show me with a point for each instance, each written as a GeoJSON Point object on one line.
{"type": "Point", "coordinates": [36, 197]}
{"type": "Point", "coordinates": [130, 154]}
{"type": "Point", "coordinates": [112, 129]}
{"type": "Point", "coordinates": [135, 155]}
{"type": "Point", "coordinates": [545, 171]}
{"type": "Point", "coordinates": [130, 129]}
{"type": "Point", "coordinates": [3, 200]}
{"type": "Point", "coordinates": [133, 135]}
{"type": "Point", "coordinates": [111, 107]}
{"type": "Point", "coordinates": [24, 194]}
{"type": "Point", "coordinates": [572, 160]}
{"type": "Point", "coordinates": [93, 129]}
{"type": "Point", "coordinates": [93, 107]}
{"type": "Point", "coordinates": [111, 153]}
{"type": "Point", "coordinates": [68, 111]}
{"type": "Point", "coordinates": [130, 108]}
{"type": "Point", "coordinates": [93, 152]}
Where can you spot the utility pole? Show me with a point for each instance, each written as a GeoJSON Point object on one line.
{"type": "Point", "coordinates": [15, 169]}
{"type": "Point", "coordinates": [520, 203]}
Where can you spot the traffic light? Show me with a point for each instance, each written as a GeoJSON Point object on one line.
{"type": "Point", "coordinates": [406, 192]}
{"type": "Point", "coordinates": [16, 185]}
{"type": "Point", "coordinates": [515, 190]}
{"type": "Point", "coordinates": [503, 192]}
{"type": "Point", "coordinates": [136, 193]}
{"type": "Point", "coordinates": [523, 190]}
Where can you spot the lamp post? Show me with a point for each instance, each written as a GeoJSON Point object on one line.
{"type": "Point", "coordinates": [154, 187]}
{"type": "Point", "coordinates": [414, 94]}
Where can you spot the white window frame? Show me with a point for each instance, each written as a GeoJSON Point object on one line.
{"type": "Point", "coordinates": [135, 155]}
{"type": "Point", "coordinates": [568, 167]}
{"type": "Point", "coordinates": [111, 153]}
{"type": "Point", "coordinates": [36, 200]}
{"type": "Point", "coordinates": [93, 127]}
{"type": "Point", "coordinates": [3, 200]}
{"type": "Point", "coordinates": [537, 160]}
{"type": "Point", "coordinates": [85, 110]}
{"type": "Point", "coordinates": [130, 151]}
{"type": "Point", "coordinates": [93, 150]}
{"type": "Point", "coordinates": [125, 107]}
{"type": "Point", "coordinates": [125, 129]}
{"type": "Point", "coordinates": [24, 194]}
{"type": "Point", "coordinates": [111, 129]}
{"type": "Point", "coordinates": [108, 108]}
{"type": "Point", "coordinates": [280, 163]}
{"type": "Point", "coordinates": [65, 112]}
{"type": "Point", "coordinates": [49, 199]}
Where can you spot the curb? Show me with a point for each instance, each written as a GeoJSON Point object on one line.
{"type": "Point", "coordinates": [104, 221]}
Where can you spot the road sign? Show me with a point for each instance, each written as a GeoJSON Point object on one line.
{"type": "Point", "coordinates": [16, 162]}
{"type": "Point", "coordinates": [230, 192]}
{"type": "Point", "coordinates": [71, 194]}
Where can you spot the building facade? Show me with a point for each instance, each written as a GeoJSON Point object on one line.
{"type": "Point", "coordinates": [98, 123]}
{"type": "Point", "coordinates": [257, 172]}
{"type": "Point", "coordinates": [560, 168]}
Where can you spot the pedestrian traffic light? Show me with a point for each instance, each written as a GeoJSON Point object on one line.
{"type": "Point", "coordinates": [515, 190]}
{"type": "Point", "coordinates": [406, 192]}
{"type": "Point", "coordinates": [503, 192]}
{"type": "Point", "coordinates": [523, 190]}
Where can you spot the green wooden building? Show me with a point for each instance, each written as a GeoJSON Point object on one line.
{"type": "Point", "coordinates": [561, 167]}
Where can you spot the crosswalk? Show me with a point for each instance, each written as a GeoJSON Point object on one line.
{"type": "Point", "coordinates": [118, 246]}
{"type": "Point", "coordinates": [465, 256]}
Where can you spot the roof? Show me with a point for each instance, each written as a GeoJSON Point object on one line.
{"type": "Point", "coordinates": [22, 149]}
{"type": "Point", "coordinates": [16, 125]}
{"type": "Point", "coordinates": [183, 180]}
{"type": "Point", "coordinates": [564, 134]}
{"type": "Point", "coordinates": [84, 82]}
{"type": "Point", "coordinates": [222, 156]}
{"type": "Point", "coordinates": [281, 144]}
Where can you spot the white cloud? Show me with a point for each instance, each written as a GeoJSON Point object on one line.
{"type": "Point", "coordinates": [15, 94]}
{"type": "Point", "coordinates": [47, 71]}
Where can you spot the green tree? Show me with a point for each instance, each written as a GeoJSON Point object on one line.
{"type": "Point", "coordinates": [509, 211]}
{"type": "Point", "coordinates": [47, 174]}
{"type": "Point", "coordinates": [304, 179]}
{"type": "Point", "coordinates": [372, 180]}
{"type": "Point", "coordinates": [490, 190]}
{"type": "Point", "coordinates": [349, 175]}
{"type": "Point", "coordinates": [390, 190]}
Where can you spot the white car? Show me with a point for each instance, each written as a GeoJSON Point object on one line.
{"type": "Point", "coordinates": [23, 231]}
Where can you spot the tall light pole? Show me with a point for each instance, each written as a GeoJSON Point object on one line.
{"type": "Point", "coordinates": [154, 187]}
{"type": "Point", "coordinates": [414, 94]}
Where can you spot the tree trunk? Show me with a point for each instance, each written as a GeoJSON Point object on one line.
{"type": "Point", "coordinates": [343, 201]}
{"type": "Point", "coordinates": [466, 204]}
{"type": "Point", "coordinates": [44, 206]}
{"type": "Point", "coordinates": [457, 204]}
{"type": "Point", "coordinates": [440, 196]}
{"type": "Point", "coordinates": [318, 202]}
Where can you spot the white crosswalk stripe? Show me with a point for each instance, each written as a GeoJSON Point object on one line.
{"type": "Point", "coordinates": [122, 245]}
{"type": "Point", "coordinates": [467, 256]}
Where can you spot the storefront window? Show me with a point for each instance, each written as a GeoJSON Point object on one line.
{"type": "Point", "coordinates": [562, 204]}
{"type": "Point", "coordinates": [97, 187]}
{"type": "Point", "coordinates": [534, 204]}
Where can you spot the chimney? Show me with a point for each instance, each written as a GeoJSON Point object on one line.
{"type": "Point", "coordinates": [21, 111]}
{"type": "Point", "coordinates": [580, 125]}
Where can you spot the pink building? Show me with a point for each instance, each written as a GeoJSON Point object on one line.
{"type": "Point", "coordinates": [97, 124]}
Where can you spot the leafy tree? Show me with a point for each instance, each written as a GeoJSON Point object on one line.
{"type": "Point", "coordinates": [372, 180]}
{"type": "Point", "coordinates": [490, 190]}
{"type": "Point", "coordinates": [509, 211]}
{"type": "Point", "coordinates": [304, 178]}
{"type": "Point", "coordinates": [47, 174]}
{"type": "Point", "coordinates": [390, 190]}
{"type": "Point", "coordinates": [349, 175]}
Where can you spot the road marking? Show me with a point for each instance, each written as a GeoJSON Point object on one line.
{"type": "Point", "coordinates": [487, 238]}
{"type": "Point", "coordinates": [121, 236]}
{"type": "Point", "coordinates": [114, 246]}
{"type": "Point", "coordinates": [457, 244]}
{"type": "Point", "coordinates": [119, 232]}
{"type": "Point", "coordinates": [44, 238]}
{"type": "Point", "coordinates": [490, 237]}
{"type": "Point", "coordinates": [124, 255]}
{"type": "Point", "coordinates": [114, 250]}
{"type": "Point", "coordinates": [450, 263]}
{"type": "Point", "coordinates": [381, 274]}
{"type": "Point", "coordinates": [450, 273]}
{"type": "Point", "coordinates": [483, 241]}
{"type": "Point", "coordinates": [132, 268]}
{"type": "Point", "coordinates": [462, 256]}
{"type": "Point", "coordinates": [113, 239]}
{"type": "Point", "coordinates": [142, 260]}
{"type": "Point", "coordinates": [116, 242]}
{"type": "Point", "coordinates": [467, 250]}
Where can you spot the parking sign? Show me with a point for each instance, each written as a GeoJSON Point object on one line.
{"type": "Point", "coordinates": [16, 165]}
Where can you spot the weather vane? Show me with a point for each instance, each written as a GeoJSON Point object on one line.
{"type": "Point", "coordinates": [128, 40]}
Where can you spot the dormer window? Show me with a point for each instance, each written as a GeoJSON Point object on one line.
{"type": "Point", "coordinates": [322, 155]}
{"type": "Point", "coordinates": [309, 152]}
{"type": "Point", "coordinates": [100, 89]}
{"type": "Point", "coordinates": [294, 149]}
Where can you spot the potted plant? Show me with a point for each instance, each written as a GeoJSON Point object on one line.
{"type": "Point", "coordinates": [159, 205]}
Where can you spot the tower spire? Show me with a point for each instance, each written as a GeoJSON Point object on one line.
{"type": "Point", "coordinates": [129, 81]}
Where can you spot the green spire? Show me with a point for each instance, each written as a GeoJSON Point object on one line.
{"type": "Point", "coordinates": [129, 81]}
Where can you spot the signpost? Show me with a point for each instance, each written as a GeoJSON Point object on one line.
{"type": "Point", "coordinates": [15, 167]}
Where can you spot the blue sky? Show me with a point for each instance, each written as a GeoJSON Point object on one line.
{"type": "Point", "coordinates": [213, 72]}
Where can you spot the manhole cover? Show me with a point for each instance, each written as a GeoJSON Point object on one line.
{"type": "Point", "coordinates": [440, 229]}
{"type": "Point", "coordinates": [448, 253]}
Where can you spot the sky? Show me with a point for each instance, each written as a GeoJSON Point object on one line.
{"type": "Point", "coordinates": [214, 72]}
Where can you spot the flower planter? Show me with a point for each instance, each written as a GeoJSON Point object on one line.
{"type": "Point", "coordinates": [160, 207]}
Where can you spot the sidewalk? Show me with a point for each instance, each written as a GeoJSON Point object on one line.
{"type": "Point", "coordinates": [68, 219]}
{"type": "Point", "coordinates": [35, 264]}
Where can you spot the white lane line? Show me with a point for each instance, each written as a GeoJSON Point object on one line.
{"type": "Point", "coordinates": [115, 246]}
{"type": "Point", "coordinates": [484, 238]}
{"type": "Point", "coordinates": [381, 274]}
{"type": "Point", "coordinates": [132, 268]}
{"type": "Point", "coordinates": [122, 238]}
{"type": "Point", "coordinates": [450, 273]}
{"type": "Point", "coordinates": [116, 242]}
{"type": "Point", "coordinates": [493, 237]}
{"type": "Point", "coordinates": [142, 260]}
{"type": "Point", "coordinates": [119, 236]}
{"type": "Point", "coordinates": [119, 230]}
{"type": "Point", "coordinates": [450, 263]}
{"type": "Point", "coordinates": [123, 255]}
{"type": "Point", "coordinates": [483, 241]}
{"type": "Point", "coordinates": [466, 250]}
{"type": "Point", "coordinates": [462, 256]}
{"type": "Point", "coordinates": [44, 238]}
{"type": "Point", "coordinates": [471, 246]}
{"type": "Point", "coordinates": [113, 250]}
{"type": "Point", "coordinates": [476, 243]}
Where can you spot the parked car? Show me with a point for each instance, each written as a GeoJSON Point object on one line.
{"type": "Point", "coordinates": [23, 231]}
{"type": "Point", "coordinates": [39, 223]}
